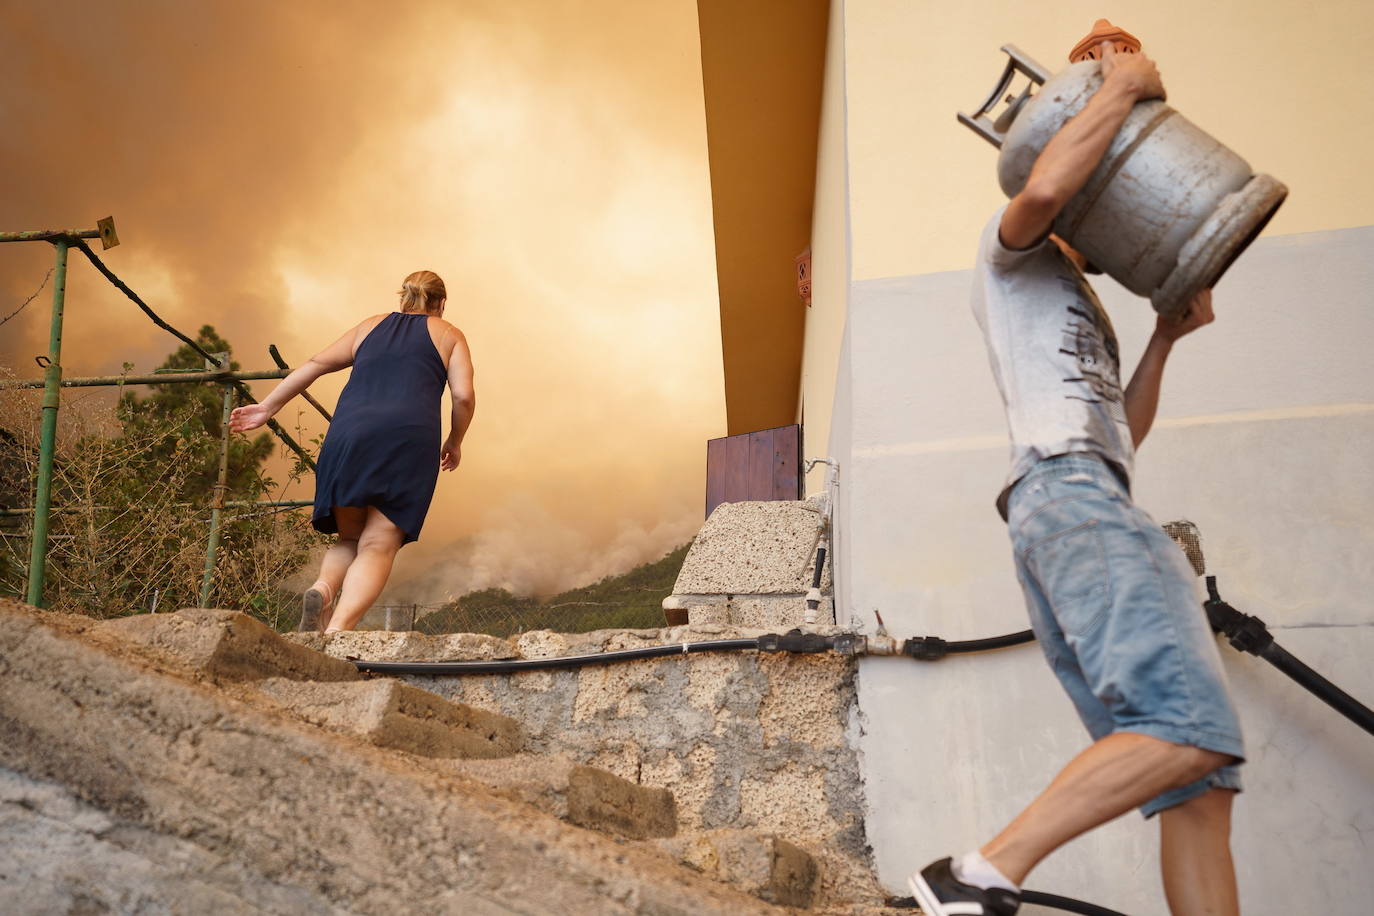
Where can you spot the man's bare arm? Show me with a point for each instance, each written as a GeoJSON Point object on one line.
{"type": "Point", "coordinates": [1142, 393]}
{"type": "Point", "coordinates": [1072, 154]}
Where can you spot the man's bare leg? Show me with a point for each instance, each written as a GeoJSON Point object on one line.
{"type": "Point", "coordinates": [1114, 775]}
{"type": "Point", "coordinates": [1195, 856]}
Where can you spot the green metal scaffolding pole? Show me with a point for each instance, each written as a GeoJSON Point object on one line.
{"type": "Point", "coordinates": [221, 485]}
{"type": "Point", "coordinates": [52, 383]}
{"type": "Point", "coordinates": [52, 388]}
{"type": "Point", "coordinates": [156, 378]}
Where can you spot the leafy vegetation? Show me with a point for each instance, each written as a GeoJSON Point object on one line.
{"type": "Point", "coordinates": [132, 486]}
{"type": "Point", "coordinates": [631, 600]}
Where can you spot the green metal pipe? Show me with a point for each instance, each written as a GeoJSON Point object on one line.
{"type": "Point", "coordinates": [52, 381]}
{"type": "Point", "coordinates": [49, 235]}
{"type": "Point", "coordinates": [276, 427]}
{"type": "Point", "coordinates": [228, 504]}
{"type": "Point", "coordinates": [159, 378]}
{"type": "Point", "coordinates": [221, 485]}
{"type": "Point", "coordinates": [309, 398]}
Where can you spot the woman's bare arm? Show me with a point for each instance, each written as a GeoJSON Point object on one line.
{"type": "Point", "coordinates": [464, 400]}
{"type": "Point", "coordinates": [336, 356]}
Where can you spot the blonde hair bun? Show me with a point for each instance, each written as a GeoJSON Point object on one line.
{"type": "Point", "coordinates": [422, 291]}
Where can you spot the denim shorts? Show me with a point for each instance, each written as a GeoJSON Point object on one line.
{"type": "Point", "coordinates": [1112, 603]}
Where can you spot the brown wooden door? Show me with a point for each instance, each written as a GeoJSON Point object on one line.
{"type": "Point", "coordinates": [762, 465]}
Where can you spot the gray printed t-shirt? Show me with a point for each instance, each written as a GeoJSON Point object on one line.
{"type": "Point", "coordinates": [1053, 354]}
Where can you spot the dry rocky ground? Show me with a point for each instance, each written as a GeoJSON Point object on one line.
{"type": "Point", "coordinates": [199, 763]}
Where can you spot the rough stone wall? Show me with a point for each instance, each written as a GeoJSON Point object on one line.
{"type": "Point", "coordinates": [225, 788]}
{"type": "Point", "coordinates": [744, 740]}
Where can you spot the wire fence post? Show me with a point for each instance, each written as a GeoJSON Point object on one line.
{"type": "Point", "coordinates": [52, 387]}
{"type": "Point", "coordinates": [221, 482]}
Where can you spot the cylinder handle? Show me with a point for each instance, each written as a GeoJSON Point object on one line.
{"type": "Point", "coordinates": [979, 122]}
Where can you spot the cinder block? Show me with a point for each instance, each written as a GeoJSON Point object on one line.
{"type": "Point", "coordinates": [754, 548]}
{"type": "Point", "coordinates": [605, 802]}
{"type": "Point", "coordinates": [389, 713]}
{"type": "Point", "coordinates": [586, 796]}
{"type": "Point", "coordinates": [382, 646]}
{"type": "Point", "coordinates": [228, 645]}
{"type": "Point", "coordinates": [764, 865]}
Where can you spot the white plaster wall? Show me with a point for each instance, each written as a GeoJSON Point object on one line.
{"type": "Point", "coordinates": [1265, 439]}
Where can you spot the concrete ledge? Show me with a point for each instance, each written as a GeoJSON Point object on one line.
{"type": "Point", "coordinates": [392, 714]}
{"type": "Point", "coordinates": [384, 646]}
{"type": "Point", "coordinates": [775, 613]}
{"type": "Point", "coordinates": [227, 645]}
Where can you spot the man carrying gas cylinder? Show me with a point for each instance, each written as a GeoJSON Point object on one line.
{"type": "Point", "coordinates": [1110, 597]}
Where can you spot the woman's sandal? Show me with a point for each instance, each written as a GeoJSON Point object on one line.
{"type": "Point", "coordinates": [313, 604]}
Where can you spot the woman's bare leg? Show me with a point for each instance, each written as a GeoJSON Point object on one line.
{"type": "Point", "coordinates": [337, 559]}
{"type": "Point", "coordinates": [367, 574]}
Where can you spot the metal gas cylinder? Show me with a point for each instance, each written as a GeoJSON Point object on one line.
{"type": "Point", "coordinates": [1166, 211]}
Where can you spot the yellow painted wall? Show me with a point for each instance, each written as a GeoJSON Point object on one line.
{"type": "Point", "coordinates": [829, 259]}
{"type": "Point", "coordinates": [1284, 84]}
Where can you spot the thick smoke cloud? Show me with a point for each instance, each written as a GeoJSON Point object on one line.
{"type": "Point", "coordinates": [275, 169]}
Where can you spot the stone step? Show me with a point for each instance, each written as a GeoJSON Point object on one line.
{"type": "Point", "coordinates": [355, 828]}
{"type": "Point", "coordinates": [583, 795]}
{"type": "Point", "coordinates": [389, 713]}
{"type": "Point", "coordinates": [227, 645]}
{"type": "Point", "coordinates": [765, 865]}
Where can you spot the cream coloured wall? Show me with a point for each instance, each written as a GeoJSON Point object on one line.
{"type": "Point", "coordinates": [829, 258]}
{"type": "Point", "coordinates": [1263, 436]}
{"type": "Point", "coordinates": [1284, 84]}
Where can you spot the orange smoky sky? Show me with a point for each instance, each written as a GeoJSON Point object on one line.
{"type": "Point", "coordinates": [275, 169]}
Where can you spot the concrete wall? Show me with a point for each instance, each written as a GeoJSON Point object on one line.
{"type": "Point", "coordinates": [1265, 431]}
{"type": "Point", "coordinates": [745, 741]}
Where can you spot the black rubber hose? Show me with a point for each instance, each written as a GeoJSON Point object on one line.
{"type": "Point", "coordinates": [992, 642]}
{"type": "Point", "coordinates": [933, 648]}
{"type": "Point", "coordinates": [1250, 634]}
{"type": "Point", "coordinates": [1319, 686]}
{"type": "Point", "coordinates": [1067, 903]}
{"type": "Point", "coordinates": [1040, 898]}
{"type": "Point", "coordinates": [544, 664]}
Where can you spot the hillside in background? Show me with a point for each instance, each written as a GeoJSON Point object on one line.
{"type": "Point", "coordinates": [631, 600]}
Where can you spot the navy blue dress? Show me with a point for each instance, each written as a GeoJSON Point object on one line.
{"type": "Point", "coordinates": [382, 448]}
